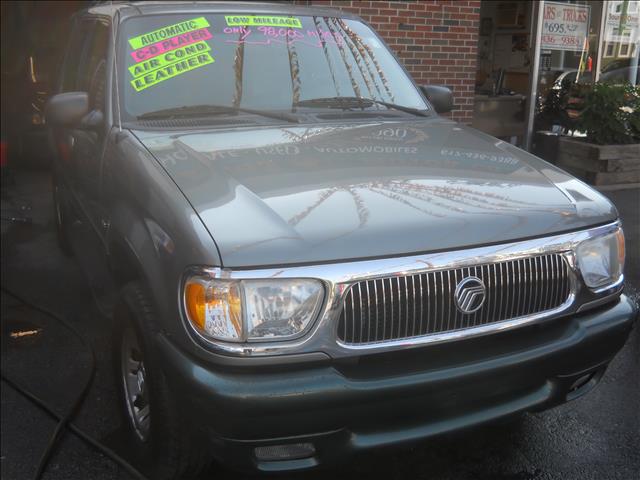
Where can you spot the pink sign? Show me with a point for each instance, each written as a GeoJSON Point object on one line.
{"type": "Point", "coordinates": [312, 38]}
{"type": "Point", "coordinates": [172, 43]}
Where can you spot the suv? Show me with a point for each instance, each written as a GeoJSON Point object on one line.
{"type": "Point", "coordinates": [302, 258]}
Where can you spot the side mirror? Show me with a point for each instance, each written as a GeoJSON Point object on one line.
{"type": "Point", "coordinates": [440, 97]}
{"type": "Point", "coordinates": [67, 109]}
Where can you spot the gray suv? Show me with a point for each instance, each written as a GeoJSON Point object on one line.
{"type": "Point", "coordinates": [303, 260]}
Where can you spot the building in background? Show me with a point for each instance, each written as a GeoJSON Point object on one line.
{"type": "Point", "coordinates": [502, 57]}
{"type": "Point", "coordinates": [34, 35]}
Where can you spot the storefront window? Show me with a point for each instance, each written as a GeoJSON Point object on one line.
{"type": "Point", "coordinates": [504, 69]}
{"type": "Point", "coordinates": [569, 44]}
{"type": "Point", "coordinates": [568, 53]}
{"type": "Point", "coordinates": [621, 43]}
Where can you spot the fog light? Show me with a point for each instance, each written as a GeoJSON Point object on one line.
{"type": "Point", "coordinates": [292, 451]}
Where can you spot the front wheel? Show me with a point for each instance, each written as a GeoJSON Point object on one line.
{"type": "Point", "coordinates": [133, 378]}
{"type": "Point", "coordinates": [156, 430]}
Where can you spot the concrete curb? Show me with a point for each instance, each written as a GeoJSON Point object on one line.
{"type": "Point", "coordinates": [619, 186]}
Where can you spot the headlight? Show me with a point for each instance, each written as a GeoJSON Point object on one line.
{"type": "Point", "coordinates": [251, 310]}
{"type": "Point", "coordinates": [601, 259]}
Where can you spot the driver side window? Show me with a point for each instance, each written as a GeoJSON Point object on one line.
{"type": "Point", "coordinates": [73, 56]}
{"type": "Point", "coordinates": [93, 71]}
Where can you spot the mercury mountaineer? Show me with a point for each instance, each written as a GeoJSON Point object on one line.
{"type": "Point", "coordinates": [304, 259]}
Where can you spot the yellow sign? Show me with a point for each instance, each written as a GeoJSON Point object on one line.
{"type": "Point", "coordinates": [171, 70]}
{"type": "Point", "coordinates": [167, 32]}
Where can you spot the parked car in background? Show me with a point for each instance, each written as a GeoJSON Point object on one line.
{"type": "Point", "coordinates": [621, 71]}
{"type": "Point", "coordinates": [570, 77]}
{"type": "Point", "coordinates": [302, 257]}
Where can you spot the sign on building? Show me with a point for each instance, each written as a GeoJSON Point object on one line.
{"type": "Point", "coordinates": [623, 22]}
{"type": "Point", "coordinates": [565, 26]}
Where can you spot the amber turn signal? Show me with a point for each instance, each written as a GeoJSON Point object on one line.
{"type": "Point", "coordinates": [214, 309]}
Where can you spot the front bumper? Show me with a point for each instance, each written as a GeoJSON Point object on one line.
{"type": "Point", "coordinates": [345, 406]}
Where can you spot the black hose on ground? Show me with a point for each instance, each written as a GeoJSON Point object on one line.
{"type": "Point", "coordinates": [64, 421]}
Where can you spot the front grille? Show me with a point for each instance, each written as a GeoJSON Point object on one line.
{"type": "Point", "coordinates": [399, 307]}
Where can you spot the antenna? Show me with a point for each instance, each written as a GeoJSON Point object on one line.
{"type": "Point", "coordinates": [115, 65]}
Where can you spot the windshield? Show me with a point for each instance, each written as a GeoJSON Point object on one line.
{"type": "Point", "coordinates": [259, 62]}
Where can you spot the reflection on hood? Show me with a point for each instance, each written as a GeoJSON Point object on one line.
{"type": "Point", "coordinates": [312, 194]}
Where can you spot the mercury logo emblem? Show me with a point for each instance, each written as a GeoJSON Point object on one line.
{"type": "Point", "coordinates": [470, 294]}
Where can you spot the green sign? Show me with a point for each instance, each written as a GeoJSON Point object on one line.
{"type": "Point", "coordinates": [262, 20]}
{"type": "Point", "coordinates": [171, 70]}
{"type": "Point", "coordinates": [167, 32]}
{"type": "Point", "coordinates": [167, 58]}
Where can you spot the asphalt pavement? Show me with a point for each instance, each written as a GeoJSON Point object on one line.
{"type": "Point", "coordinates": [596, 437]}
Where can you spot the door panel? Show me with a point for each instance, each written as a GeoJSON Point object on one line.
{"type": "Point", "coordinates": [86, 145]}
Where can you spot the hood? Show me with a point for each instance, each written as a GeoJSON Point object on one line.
{"type": "Point", "coordinates": [303, 194]}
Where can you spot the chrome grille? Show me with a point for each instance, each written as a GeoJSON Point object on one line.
{"type": "Point", "coordinates": [400, 307]}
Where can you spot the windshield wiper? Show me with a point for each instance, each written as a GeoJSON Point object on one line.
{"type": "Point", "coordinates": [200, 110]}
{"type": "Point", "coordinates": [347, 103]}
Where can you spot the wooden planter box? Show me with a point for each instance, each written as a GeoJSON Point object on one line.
{"type": "Point", "coordinates": [600, 164]}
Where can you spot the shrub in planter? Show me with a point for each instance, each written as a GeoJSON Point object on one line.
{"type": "Point", "coordinates": [609, 116]}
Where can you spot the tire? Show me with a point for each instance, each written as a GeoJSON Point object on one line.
{"type": "Point", "coordinates": [158, 436]}
{"type": "Point", "coordinates": [61, 222]}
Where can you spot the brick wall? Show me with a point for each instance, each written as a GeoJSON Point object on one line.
{"type": "Point", "coordinates": [437, 40]}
